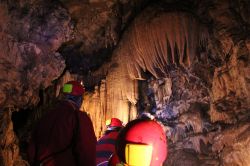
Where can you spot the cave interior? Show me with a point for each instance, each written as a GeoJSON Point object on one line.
{"type": "Point", "coordinates": [185, 63]}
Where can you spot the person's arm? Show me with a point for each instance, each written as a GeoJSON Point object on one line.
{"type": "Point", "coordinates": [85, 146]}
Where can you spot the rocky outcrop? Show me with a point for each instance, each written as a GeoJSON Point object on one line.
{"type": "Point", "coordinates": [98, 26]}
{"type": "Point", "coordinates": [184, 63]}
{"type": "Point", "coordinates": [30, 37]}
{"type": "Point", "coordinates": [9, 151]}
{"type": "Point", "coordinates": [233, 144]}
{"type": "Point", "coordinates": [231, 87]}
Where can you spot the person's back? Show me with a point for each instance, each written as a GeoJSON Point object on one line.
{"type": "Point", "coordinates": [63, 137]}
{"type": "Point", "coordinates": [106, 145]}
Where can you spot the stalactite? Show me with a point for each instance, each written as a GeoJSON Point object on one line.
{"type": "Point", "coordinates": [92, 105]}
{"type": "Point", "coordinates": [151, 44]}
{"type": "Point", "coordinates": [121, 92]}
{"type": "Point", "coordinates": [115, 97]}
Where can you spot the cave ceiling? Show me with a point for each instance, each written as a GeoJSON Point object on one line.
{"type": "Point", "coordinates": [80, 36]}
{"type": "Point", "coordinates": [184, 62]}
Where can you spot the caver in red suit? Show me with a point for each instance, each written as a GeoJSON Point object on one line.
{"type": "Point", "coordinates": [64, 136]}
{"type": "Point", "coordinates": [106, 145]}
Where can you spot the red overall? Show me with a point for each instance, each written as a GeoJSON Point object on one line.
{"type": "Point", "coordinates": [66, 135]}
{"type": "Point", "coordinates": [105, 147]}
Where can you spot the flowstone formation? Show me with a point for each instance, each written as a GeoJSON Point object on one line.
{"type": "Point", "coordinates": [184, 63]}
{"type": "Point", "coordinates": [177, 70]}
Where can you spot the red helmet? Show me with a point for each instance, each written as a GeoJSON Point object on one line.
{"type": "Point", "coordinates": [142, 142]}
{"type": "Point", "coordinates": [73, 88]}
{"type": "Point", "coordinates": [114, 122]}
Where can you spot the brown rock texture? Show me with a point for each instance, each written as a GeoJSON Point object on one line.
{"type": "Point", "coordinates": [185, 63]}
{"type": "Point", "coordinates": [197, 100]}
{"type": "Point", "coordinates": [9, 151]}
{"type": "Point", "coordinates": [29, 59]}
{"type": "Point", "coordinates": [29, 38]}
{"type": "Point", "coordinates": [233, 144]}
{"type": "Point", "coordinates": [231, 87]}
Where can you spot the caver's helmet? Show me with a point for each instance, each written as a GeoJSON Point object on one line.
{"type": "Point", "coordinates": [74, 88]}
{"type": "Point", "coordinates": [113, 123]}
{"type": "Point", "coordinates": [142, 142]}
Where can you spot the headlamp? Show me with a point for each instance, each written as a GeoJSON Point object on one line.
{"type": "Point", "coordinates": [108, 122]}
{"type": "Point", "coordinates": [67, 88]}
{"type": "Point", "coordinates": [138, 154]}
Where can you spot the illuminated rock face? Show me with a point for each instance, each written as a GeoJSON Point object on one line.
{"type": "Point", "coordinates": [196, 99]}
{"type": "Point", "coordinates": [231, 87]}
{"type": "Point", "coordinates": [115, 97]}
{"type": "Point", "coordinates": [190, 71]}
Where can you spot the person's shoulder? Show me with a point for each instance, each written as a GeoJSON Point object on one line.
{"type": "Point", "coordinates": [67, 104]}
{"type": "Point", "coordinates": [62, 103]}
{"type": "Point", "coordinates": [83, 114]}
{"type": "Point", "coordinates": [84, 118]}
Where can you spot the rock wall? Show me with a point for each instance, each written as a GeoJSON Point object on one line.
{"type": "Point", "coordinates": [30, 37]}
{"type": "Point", "coordinates": [185, 63]}
{"type": "Point", "coordinates": [199, 102]}
{"type": "Point", "coordinates": [9, 151]}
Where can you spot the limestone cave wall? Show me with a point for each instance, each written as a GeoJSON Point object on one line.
{"type": "Point", "coordinates": [184, 63]}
